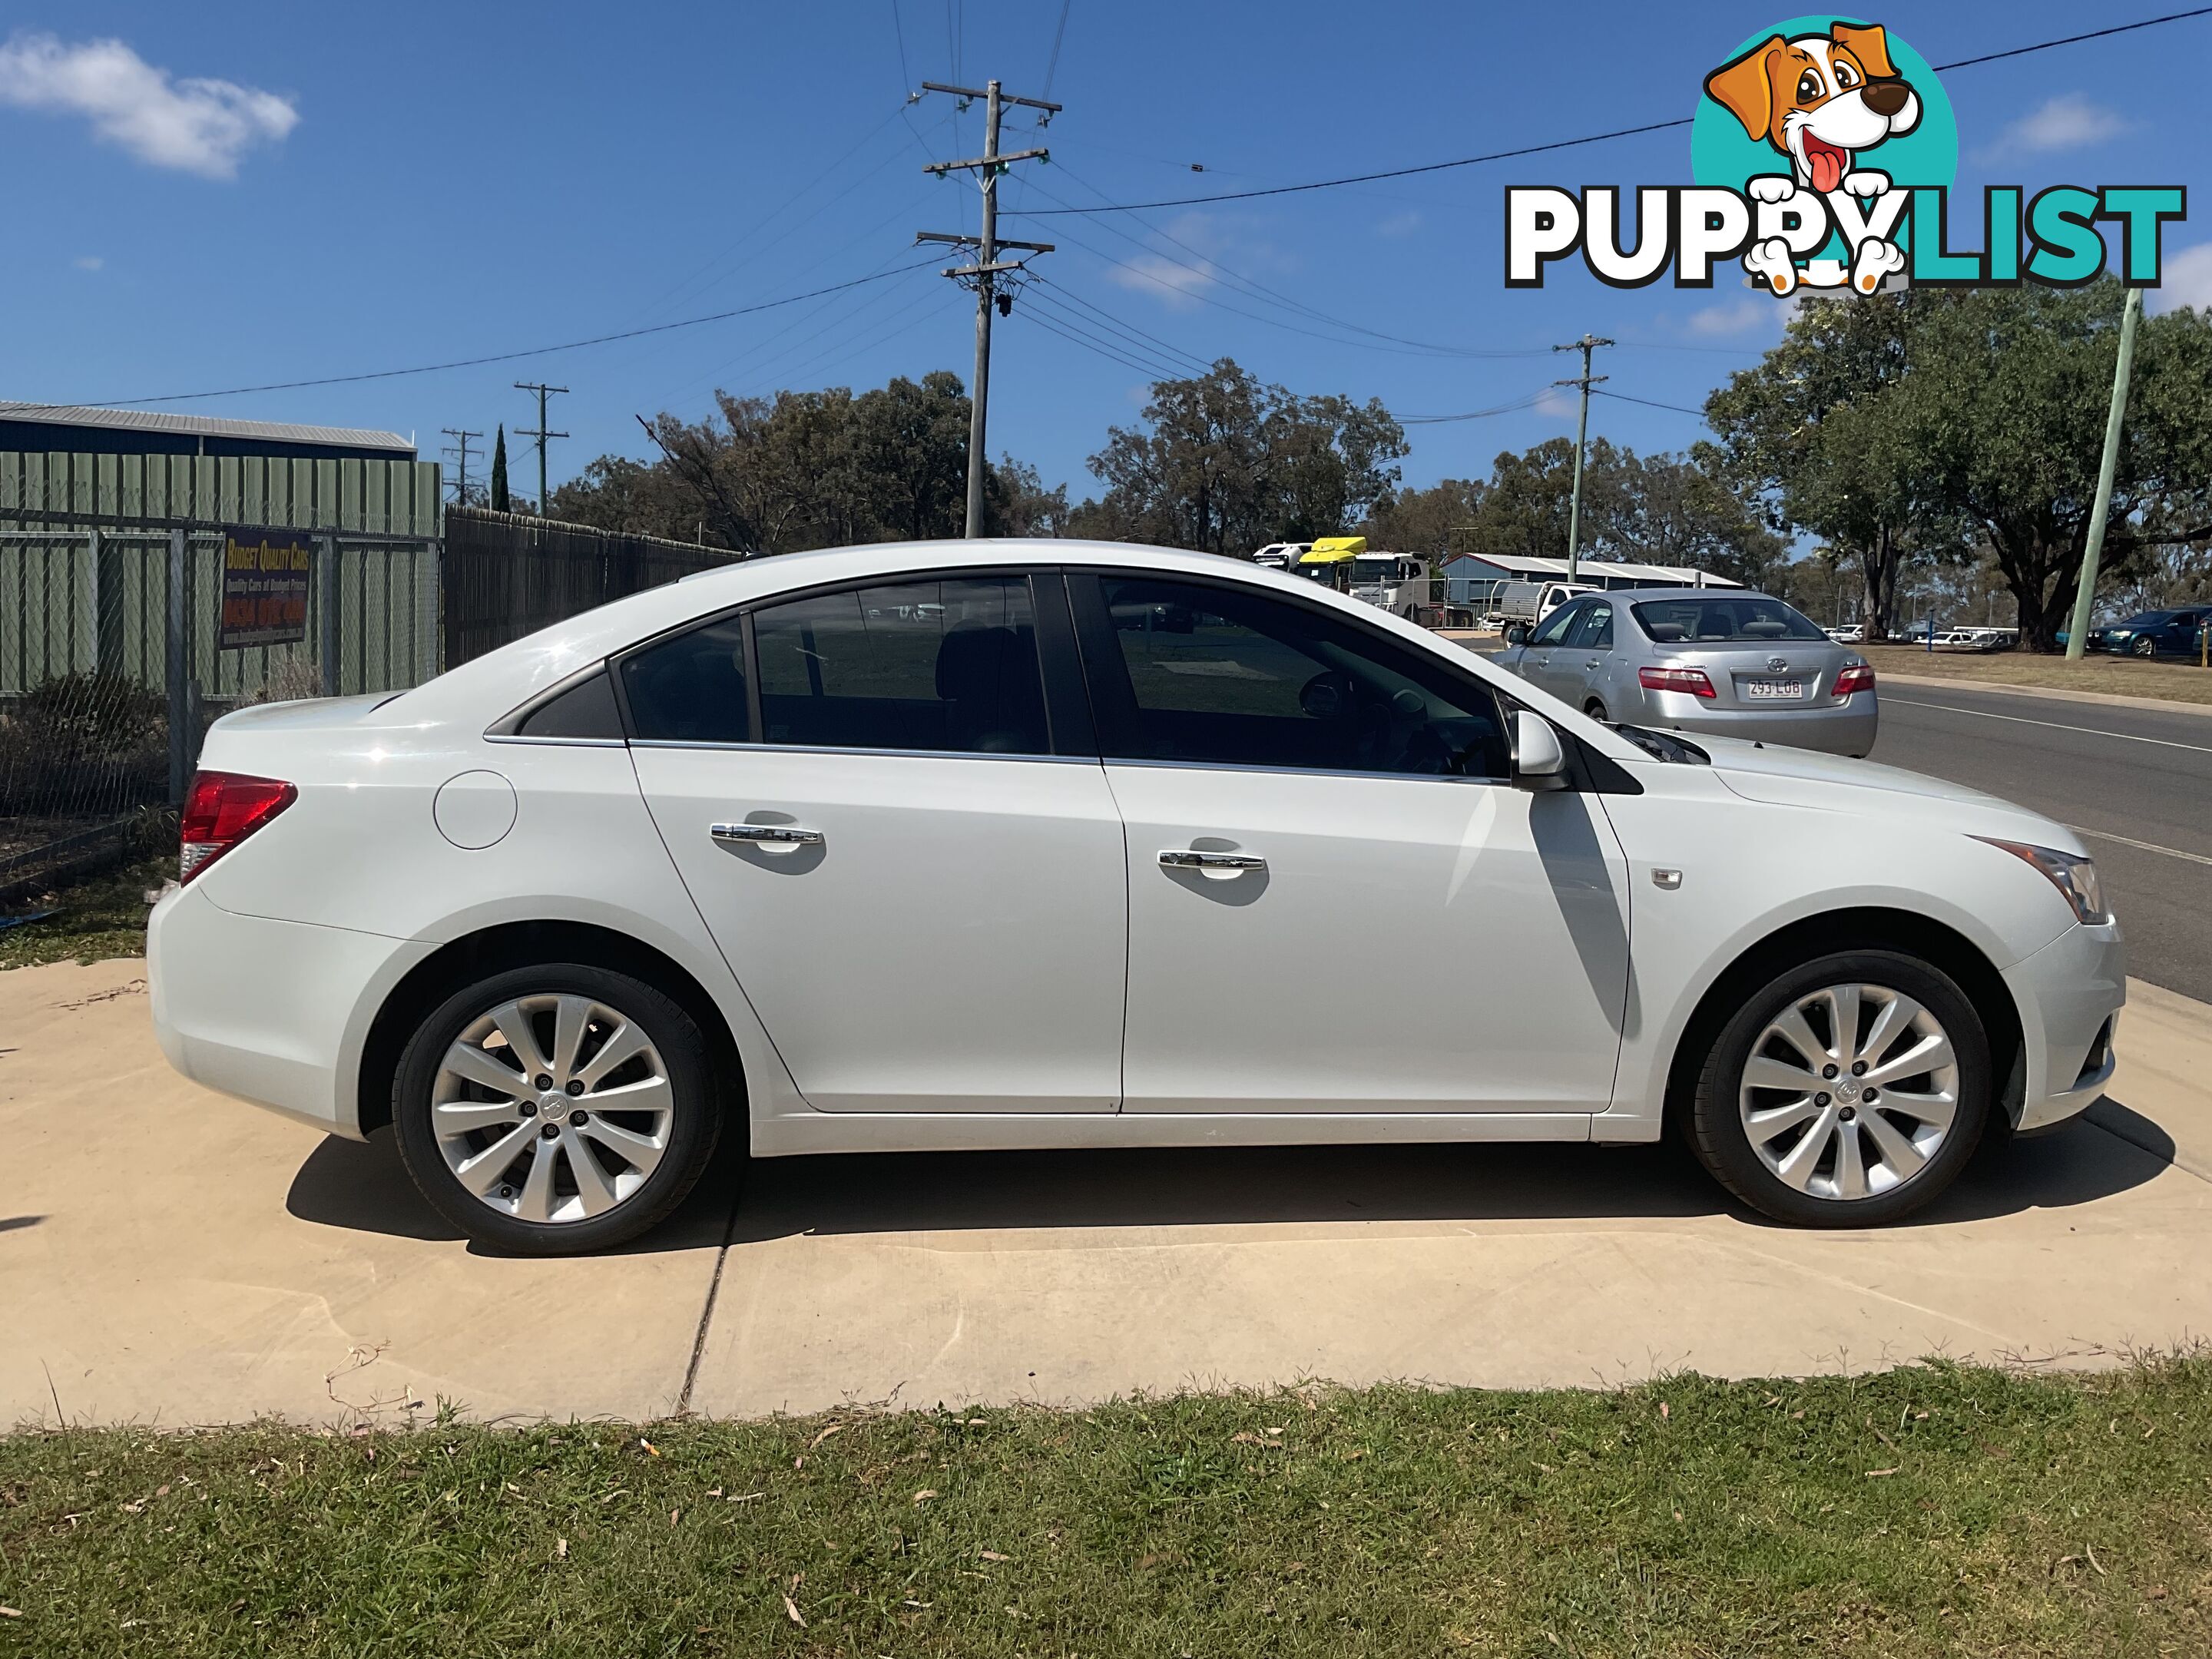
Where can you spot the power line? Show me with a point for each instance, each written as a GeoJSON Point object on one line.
{"type": "Point", "coordinates": [1118, 324]}
{"type": "Point", "coordinates": [1532, 399]}
{"type": "Point", "coordinates": [509, 356]}
{"type": "Point", "coordinates": [1592, 139]}
{"type": "Point", "coordinates": [1052, 64]}
{"type": "Point", "coordinates": [460, 439]}
{"type": "Point", "coordinates": [906, 77]}
{"type": "Point", "coordinates": [1165, 367]}
{"type": "Point", "coordinates": [1680, 409]}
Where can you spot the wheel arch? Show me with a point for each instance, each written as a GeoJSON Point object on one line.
{"type": "Point", "coordinates": [1942, 946]}
{"type": "Point", "coordinates": [521, 945]}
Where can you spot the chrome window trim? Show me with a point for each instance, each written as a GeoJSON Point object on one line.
{"type": "Point", "coordinates": [831, 749]}
{"type": "Point", "coordinates": [558, 742]}
{"type": "Point", "coordinates": [1301, 771]}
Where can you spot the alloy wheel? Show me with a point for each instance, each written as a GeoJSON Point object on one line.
{"type": "Point", "coordinates": [1851, 1091]}
{"type": "Point", "coordinates": [554, 1108]}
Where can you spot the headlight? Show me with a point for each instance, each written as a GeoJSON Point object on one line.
{"type": "Point", "coordinates": [2075, 878]}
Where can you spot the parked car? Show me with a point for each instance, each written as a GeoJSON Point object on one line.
{"type": "Point", "coordinates": [732, 857]}
{"type": "Point", "coordinates": [2174, 632]}
{"type": "Point", "coordinates": [1849, 634]}
{"type": "Point", "coordinates": [1737, 664]}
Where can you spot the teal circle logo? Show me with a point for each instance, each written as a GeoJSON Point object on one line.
{"type": "Point", "coordinates": [1822, 98]}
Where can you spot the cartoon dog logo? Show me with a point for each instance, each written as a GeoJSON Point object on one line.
{"type": "Point", "coordinates": [1821, 100]}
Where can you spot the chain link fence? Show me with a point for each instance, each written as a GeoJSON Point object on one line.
{"type": "Point", "coordinates": [113, 665]}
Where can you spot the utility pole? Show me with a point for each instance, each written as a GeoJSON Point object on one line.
{"type": "Point", "coordinates": [985, 271]}
{"type": "Point", "coordinates": [461, 439]}
{"type": "Point", "coordinates": [1587, 345]}
{"type": "Point", "coordinates": [541, 435]}
{"type": "Point", "coordinates": [2085, 595]}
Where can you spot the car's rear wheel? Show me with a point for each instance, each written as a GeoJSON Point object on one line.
{"type": "Point", "coordinates": [1596, 710]}
{"type": "Point", "coordinates": [557, 1109]}
{"type": "Point", "coordinates": [1845, 1092]}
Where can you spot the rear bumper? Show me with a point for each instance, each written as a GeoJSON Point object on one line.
{"type": "Point", "coordinates": [2070, 995]}
{"type": "Point", "coordinates": [1846, 728]}
{"type": "Point", "coordinates": [272, 1013]}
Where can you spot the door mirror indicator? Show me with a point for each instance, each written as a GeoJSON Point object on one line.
{"type": "Point", "coordinates": [1538, 761]}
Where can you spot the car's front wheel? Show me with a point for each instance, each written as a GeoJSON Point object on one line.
{"type": "Point", "coordinates": [1847, 1091]}
{"type": "Point", "coordinates": [2146, 647]}
{"type": "Point", "coordinates": [557, 1109]}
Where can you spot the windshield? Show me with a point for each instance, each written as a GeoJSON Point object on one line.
{"type": "Point", "coordinates": [1374, 570]}
{"type": "Point", "coordinates": [1749, 619]}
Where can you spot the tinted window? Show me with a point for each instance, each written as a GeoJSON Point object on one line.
{"type": "Point", "coordinates": [1216, 675]}
{"type": "Point", "coordinates": [1593, 628]}
{"type": "Point", "coordinates": [1697, 619]}
{"type": "Point", "coordinates": [690, 687]}
{"type": "Point", "coordinates": [585, 710]}
{"type": "Point", "coordinates": [949, 665]}
{"type": "Point", "coordinates": [1556, 625]}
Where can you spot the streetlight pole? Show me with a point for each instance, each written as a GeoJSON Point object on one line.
{"type": "Point", "coordinates": [2085, 593]}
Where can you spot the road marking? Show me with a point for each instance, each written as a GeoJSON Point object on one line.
{"type": "Point", "coordinates": [2018, 720]}
{"type": "Point", "coordinates": [2143, 846]}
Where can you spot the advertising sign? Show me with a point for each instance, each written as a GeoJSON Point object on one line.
{"type": "Point", "coordinates": [1824, 150]}
{"type": "Point", "coordinates": [264, 586]}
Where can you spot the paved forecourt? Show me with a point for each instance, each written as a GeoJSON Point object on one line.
{"type": "Point", "coordinates": [172, 1257]}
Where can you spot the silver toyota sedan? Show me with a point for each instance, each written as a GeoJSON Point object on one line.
{"type": "Point", "coordinates": [1728, 665]}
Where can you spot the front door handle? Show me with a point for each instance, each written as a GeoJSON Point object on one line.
{"type": "Point", "coordinates": [781, 836]}
{"type": "Point", "coordinates": [1594, 662]}
{"type": "Point", "coordinates": [1224, 864]}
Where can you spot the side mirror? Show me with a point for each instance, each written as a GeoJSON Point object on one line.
{"type": "Point", "coordinates": [1539, 762]}
{"type": "Point", "coordinates": [1517, 633]}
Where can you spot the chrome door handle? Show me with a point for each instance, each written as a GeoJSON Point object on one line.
{"type": "Point", "coordinates": [1594, 662]}
{"type": "Point", "coordinates": [1187, 859]}
{"type": "Point", "coordinates": [765, 835]}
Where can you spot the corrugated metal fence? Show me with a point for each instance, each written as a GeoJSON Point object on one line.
{"type": "Point", "coordinates": [507, 575]}
{"type": "Point", "coordinates": [111, 590]}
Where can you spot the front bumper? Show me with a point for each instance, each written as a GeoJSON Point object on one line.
{"type": "Point", "coordinates": [272, 1013]}
{"type": "Point", "coordinates": [1844, 728]}
{"type": "Point", "coordinates": [2070, 994]}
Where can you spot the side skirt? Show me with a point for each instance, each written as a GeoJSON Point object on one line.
{"type": "Point", "coordinates": [798, 1133]}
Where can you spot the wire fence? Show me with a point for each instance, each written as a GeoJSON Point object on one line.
{"type": "Point", "coordinates": [119, 646]}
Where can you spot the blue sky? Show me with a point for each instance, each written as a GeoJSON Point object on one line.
{"type": "Point", "coordinates": [233, 194]}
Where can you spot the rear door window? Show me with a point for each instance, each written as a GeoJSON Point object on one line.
{"type": "Point", "coordinates": [948, 666]}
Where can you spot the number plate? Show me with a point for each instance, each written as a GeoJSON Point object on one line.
{"type": "Point", "coordinates": [1774, 691]}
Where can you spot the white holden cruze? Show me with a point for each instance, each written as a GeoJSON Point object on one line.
{"type": "Point", "coordinates": [1059, 844]}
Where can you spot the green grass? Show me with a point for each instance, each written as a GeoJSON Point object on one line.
{"type": "Point", "coordinates": [1922, 1511]}
{"type": "Point", "coordinates": [104, 916]}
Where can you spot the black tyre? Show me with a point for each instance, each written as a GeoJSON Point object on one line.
{"type": "Point", "coordinates": [1596, 710]}
{"type": "Point", "coordinates": [1846, 1092]}
{"type": "Point", "coordinates": [558, 1109]}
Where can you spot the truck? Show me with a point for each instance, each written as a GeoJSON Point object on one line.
{"type": "Point", "coordinates": [1400, 583]}
{"type": "Point", "coordinates": [1531, 602]}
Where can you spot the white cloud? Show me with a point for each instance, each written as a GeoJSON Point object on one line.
{"type": "Point", "coordinates": [2186, 281]}
{"type": "Point", "coordinates": [2069, 121]}
{"type": "Point", "coordinates": [88, 262]}
{"type": "Point", "coordinates": [1173, 283]}
{"type": "Point", "coordinates": [1738, 316]}
{"type": "Point", "coordinates": [1559, 403]}
{"type": "Point", "coordinates": [1399, 224]}
{"type": "Point", "coordinates": [193, 125]}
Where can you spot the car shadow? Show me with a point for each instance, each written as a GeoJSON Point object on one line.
{"type": "Point", "coordinates": [364, 1187]}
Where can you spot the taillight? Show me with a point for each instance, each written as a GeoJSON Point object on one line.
{"type": "Point", "coordinates": [1858, 678]}
{"type": "Point", "coordinates": [1692, 680]}
{"type": "Point", "coordinates": [223, 810]}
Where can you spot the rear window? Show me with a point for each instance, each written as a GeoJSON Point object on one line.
{"type": "Point", "coordinates": [1749, 619]}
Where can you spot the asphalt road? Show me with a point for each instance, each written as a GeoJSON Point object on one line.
{"type": "Point", "coordinates": [2137, 784]}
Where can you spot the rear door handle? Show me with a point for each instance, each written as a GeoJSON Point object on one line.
{"type": "Point", "coordinates": [781, 835]}
{"type": "Point", "coordinates": [1231, 864]}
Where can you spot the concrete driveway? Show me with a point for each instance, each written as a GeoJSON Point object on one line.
{"type": "Point", "coordinates": [170, 1256]}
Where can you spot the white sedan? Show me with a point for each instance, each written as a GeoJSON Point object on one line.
{"type": "Point", "coordinates": [1063, 844]}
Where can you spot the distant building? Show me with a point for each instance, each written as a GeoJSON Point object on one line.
{"type": "Point", "coordinates": [1473, 580]}
{"type": "Point", "coordinates": [62, 429]}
